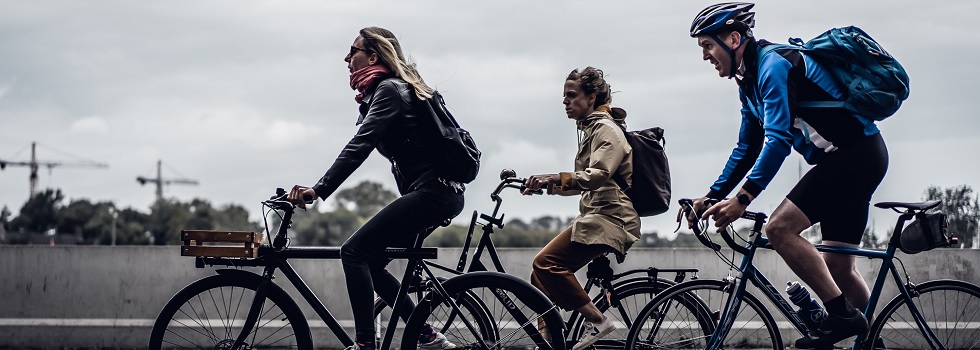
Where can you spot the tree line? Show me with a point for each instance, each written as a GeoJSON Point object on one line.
{"type": "Point", "coordinates": [46, 218]}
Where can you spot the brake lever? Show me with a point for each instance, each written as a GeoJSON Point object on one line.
{"type": "Point", "coordinates": [280, 200]}
{"type": "Point", "coordinates": [687, 206]}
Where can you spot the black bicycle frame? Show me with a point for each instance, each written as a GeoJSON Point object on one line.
{"type": "Point", "coordinates": [277, 256]}
{"type": "Point", "coordinates": [749, 272]}
{"type": "Point", "coordinates": [272, 259]}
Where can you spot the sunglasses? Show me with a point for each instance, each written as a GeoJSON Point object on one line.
{"type": "Point", "coordinates": [355, 49]}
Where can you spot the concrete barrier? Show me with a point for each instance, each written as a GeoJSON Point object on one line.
{"type": "Point", "coordinates": [97, 296]}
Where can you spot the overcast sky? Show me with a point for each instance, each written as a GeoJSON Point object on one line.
{"type": "Point", "coordinates": [247, 96]}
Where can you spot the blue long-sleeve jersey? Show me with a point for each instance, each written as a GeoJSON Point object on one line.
{"type": "Point", "coordinates": [772, 122]}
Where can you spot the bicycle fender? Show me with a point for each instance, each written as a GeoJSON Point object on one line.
{"type": "Point", "coordinates": [238, 273]}
{"type": "Point", "coordinates": [242, 274]}
{"type": "Point", "coordinates": [535, 298]}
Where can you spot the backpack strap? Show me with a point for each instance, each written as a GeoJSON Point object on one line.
{"type": "Point", "coordinates": [763, 51]}
{"type": "Point", "coordinates": [797, 44]}
{"type": "Point", "coordinates": [820, 104]}
{"type": "Point", "coordinates": [620, 181]}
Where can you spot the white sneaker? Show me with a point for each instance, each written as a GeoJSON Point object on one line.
{"type": "Point", "coordinates": [440, 342]}
{"type": "Point", "coordinates": [594, 332]}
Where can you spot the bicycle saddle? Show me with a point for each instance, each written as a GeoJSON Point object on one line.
{"type": "Point", "coordinates": [921, 206]}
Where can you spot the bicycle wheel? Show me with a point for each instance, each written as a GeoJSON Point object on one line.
{"type": "Point", "coordinates": [950, 308]}
{"type": "Point", "coordinates": [468, 302]}
{"type": "Point", "coordinates": [685, 316]}
{"type": "Point", "coordinates": [209, 314]}
{"type": "Point", "coordinates": [631, 297]}
{"type": "Point", "coordinates": [515, 308]}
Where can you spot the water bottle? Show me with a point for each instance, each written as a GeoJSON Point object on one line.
{"type": "Point", "coordinates": [810, 311]}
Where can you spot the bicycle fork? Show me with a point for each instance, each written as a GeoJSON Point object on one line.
{"type": "Point", "coordinates": [254, 311]}
{"type": "Point", "coordinates": [726, 316]}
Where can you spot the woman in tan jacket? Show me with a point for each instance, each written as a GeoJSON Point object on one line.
{"type": "Point", "coordinates": [607, 221]}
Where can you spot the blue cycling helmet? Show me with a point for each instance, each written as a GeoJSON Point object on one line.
{"type": "Point", "coordinates": [725, 16]}
{"type": "Point", "coordinates": [728, 16]}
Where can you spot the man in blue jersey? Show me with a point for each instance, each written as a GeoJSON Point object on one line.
{"type": "Point", "coordinates": [847, 152]}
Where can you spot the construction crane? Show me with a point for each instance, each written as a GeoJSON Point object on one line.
{"type": "Point", "coordinates": [35, 165]}
{"type": "Point", "coordinates": [160, 181]}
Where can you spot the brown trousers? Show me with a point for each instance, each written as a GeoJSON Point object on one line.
{"type": "Point", "coordinates": [553, 269]}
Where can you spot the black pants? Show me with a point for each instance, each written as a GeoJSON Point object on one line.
{"type": "Point", "coordinates": [837, 191]}
{"type": "Point", "coordinates": [397, 225]}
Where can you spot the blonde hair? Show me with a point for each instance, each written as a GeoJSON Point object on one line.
{"type": "Point", "coordinates": [384, 43]}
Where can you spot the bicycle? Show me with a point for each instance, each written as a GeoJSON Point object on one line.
{"type": "Point", "coordinates": [937, 314]}
{"type": "Point", "coordinates": [238, 309]}
{"type": "Point", "coordinates": [620, 295]}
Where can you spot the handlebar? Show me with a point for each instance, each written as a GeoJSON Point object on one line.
{"type": "Point", "coordinates": [279, 201]}
{"type": "Point", "coordinates": [508, 179]}
{"type": "Point", "coordinates": [510, 183]}
{"type": "Point", "coordinates": [687, 206]}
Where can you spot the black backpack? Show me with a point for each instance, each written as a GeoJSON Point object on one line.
{"type": "Point", "coordinates": [455, 153]}
{"type": "Point", "coordinates": [650, 192]}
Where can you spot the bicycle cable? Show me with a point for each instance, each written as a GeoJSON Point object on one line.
{"type": "Point", "coordinates": [265, 222]}
{"type": "Point", "coordinates": [730, 262]}
{"type": "Point", "coordinates": [904, 271]}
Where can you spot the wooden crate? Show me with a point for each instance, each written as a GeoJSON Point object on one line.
{"type": "Point", "coordinates": [227, 244]}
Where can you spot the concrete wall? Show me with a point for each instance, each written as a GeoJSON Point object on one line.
{"type": "Point", "coordinates": [85, 296]}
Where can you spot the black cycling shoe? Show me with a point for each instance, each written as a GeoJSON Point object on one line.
{"type": "Point", "coordinates": [834, 329]}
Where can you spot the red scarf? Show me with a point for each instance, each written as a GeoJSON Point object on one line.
{"type": "Point", "coordinates": [365, 79]}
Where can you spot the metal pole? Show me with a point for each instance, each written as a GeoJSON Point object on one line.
{"type": "Point", "coordinates": [115, 215]}
{"type": "Point", "coordinates": [159, 180]}
{"type": "Point", "coordinates": [34, 167]}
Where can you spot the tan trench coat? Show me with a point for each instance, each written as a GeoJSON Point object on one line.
{"type": "Point", "coordinates": [606, 214]}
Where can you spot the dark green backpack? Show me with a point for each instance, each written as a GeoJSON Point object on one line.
{"type": "Point", "coordinates": [874, 82]}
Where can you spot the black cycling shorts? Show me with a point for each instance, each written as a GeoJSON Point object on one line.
{"type": "Point", "coordinates": [837, 191]}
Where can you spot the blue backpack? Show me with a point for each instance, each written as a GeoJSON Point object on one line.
{"type": "Point", "coordinates": [875, 83]}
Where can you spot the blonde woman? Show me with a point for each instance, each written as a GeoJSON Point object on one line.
{"type": "Point", "coordinates": [607, 221]}
{"type": "Point", "coordinates": [388, 89]}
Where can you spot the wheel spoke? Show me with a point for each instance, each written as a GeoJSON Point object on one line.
{"type": "Point", "coordinates": [684, 317]}
{"type": "Point", "coordinates": [950, 311]}
{"type": "Point", "coordinates": [216, 303]}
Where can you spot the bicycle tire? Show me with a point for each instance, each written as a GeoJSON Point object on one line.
{"type": "Point", "coordinates": [515, 308]}
{"type": "Point", "coordinates": [209, 312]}
{"type": "Point", "coordinates": [631, 297]}
{"type": "Point", "coordinates": [382, 314]}
{"type": "Point", "coordinates": [685, 316]}
{"type": "Point", "coordinates": [950, 307]}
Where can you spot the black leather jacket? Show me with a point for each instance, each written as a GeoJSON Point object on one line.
{"type": "Point", "coordinates": [390, 122]}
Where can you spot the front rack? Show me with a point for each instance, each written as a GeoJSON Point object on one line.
{"type": "Point", "coordinates": [224, 244]}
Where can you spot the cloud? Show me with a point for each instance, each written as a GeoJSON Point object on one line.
{"type": "Point", "coordinates": [90, 125]}
{"type": "Point", "coordinates": [258, 97]}
{"type": "Point", "coordinates": [5, 87]}
{"type": "Point", "coordinates": [237, 128]}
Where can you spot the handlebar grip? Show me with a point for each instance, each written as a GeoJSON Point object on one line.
{"type": "Point", "coordinates": [307, 198]}
{"type": "Point", "coordinates": [538, 191]}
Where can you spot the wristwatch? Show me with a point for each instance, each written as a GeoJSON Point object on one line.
{"type": "Point", "coordinates": [743, 199]}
